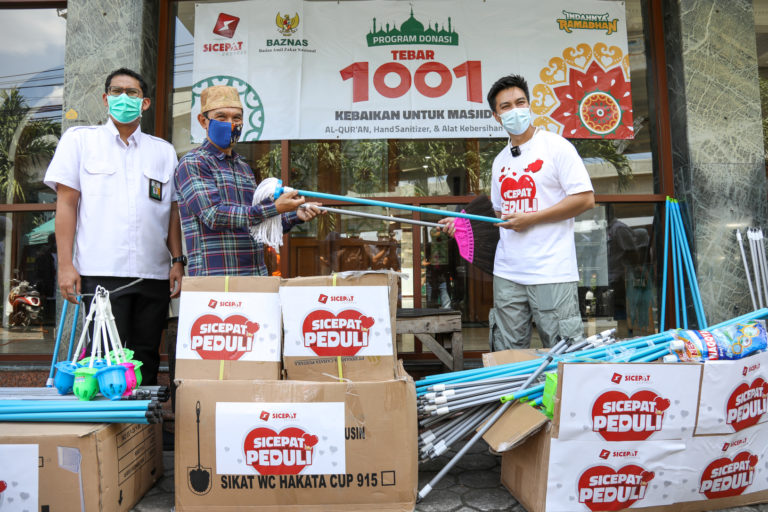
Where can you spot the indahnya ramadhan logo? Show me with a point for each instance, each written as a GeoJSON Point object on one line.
{"type": "Point", "coordinates": [412, 31]}
{"type": "Point", "coordinates": [253, 108]}
{"type": "Point", "coordinates": [578, 20]}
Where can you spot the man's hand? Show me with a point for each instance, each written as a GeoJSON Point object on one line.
{"type": "Point", "coordinates": [447, 225]}
{"type": "Point", "coordinates": [69, 283]}
{"type": "Point", "coordinates": [517, 221]}
{"type": "Point", "coordinates": [309, 211]}
{"type": "Point", "coordinates": [288, 201]}
{"type": "Point", "coordinates": [175, 276]}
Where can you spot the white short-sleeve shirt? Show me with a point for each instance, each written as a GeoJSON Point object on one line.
{"type": "Point", "coordinates": [126, 193]}
{"type": "Point", "coordinates": [547, 170]}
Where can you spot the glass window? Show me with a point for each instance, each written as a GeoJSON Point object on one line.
{"type": "Point", "coordinates": [435, 169]}
{"type": "Point", "coordinates": [31, 89]}
{"type": "Point", "coordinates": [28, 269]}
{"type": "Point", "coordinates": [617, 268]}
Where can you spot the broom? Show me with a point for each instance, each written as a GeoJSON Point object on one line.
{"type": "Point", "coordinates": [479, 238]}
{"type": "Point", "coordinates": [476, 232]}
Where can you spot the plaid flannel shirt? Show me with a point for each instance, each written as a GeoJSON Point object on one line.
{"type": "Point", "coordinates": [215, 193]}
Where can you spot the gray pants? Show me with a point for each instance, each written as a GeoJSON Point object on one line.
{"type": "Point", "coordinates": [554, 307]}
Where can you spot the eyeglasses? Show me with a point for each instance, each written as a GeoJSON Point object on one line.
{"type": "Point", "coordinates": [117, 91]}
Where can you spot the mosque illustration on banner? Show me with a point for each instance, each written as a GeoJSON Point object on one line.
{"type": "Point", "coordinates": [412, 31]}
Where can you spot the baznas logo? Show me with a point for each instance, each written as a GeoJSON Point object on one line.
{"type": "Point", "coordinates": [287, 25]}
{"type": "Point", "coordinates": [728, 477]}
{"type": "Point", "coordinates": [604, 488]}
{"type": "Point", "coordinates": [226, 25]}
{"type": "Point", "coordinates": [284, 453]}
{"type": "Point", "coordinates": [747, 404]}
{"type": "Point", "coordinates": [344, 334]}
{"type": "Point", "coordinates": [617, 417]}
{"type": "Point", "coordinates": [222, 339]}
{"type": "Point", "coordinates": [577, 20]}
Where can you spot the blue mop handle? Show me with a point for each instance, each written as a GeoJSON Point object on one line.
{"type": "Point", "coordinates": [49, 382]}
{"type": "Point", "coordinates": [74, 329]}
{"type": "Point", "coordinates": [371, 202]}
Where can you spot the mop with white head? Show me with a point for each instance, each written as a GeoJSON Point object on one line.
{"type": "Point", "coordinates": [269, 231]}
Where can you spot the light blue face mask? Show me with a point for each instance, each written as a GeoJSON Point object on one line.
{"type": "Point", "coordinates": [516, 120]}
{"type": "Point", "coordinates": [123, 108]}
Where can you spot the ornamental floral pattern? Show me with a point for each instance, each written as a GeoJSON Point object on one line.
{"type": "Point", "coordinates": [585, 94]}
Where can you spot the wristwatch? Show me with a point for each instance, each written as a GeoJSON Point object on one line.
{"type": "Point", "coordinates": [179, 259]}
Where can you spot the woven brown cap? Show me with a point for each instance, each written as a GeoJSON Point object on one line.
{"type": "Point", "coordinates": [219, 96]}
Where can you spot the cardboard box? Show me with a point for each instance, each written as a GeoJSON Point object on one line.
{"type": "Point", "coordinates": [622, 436]}
{"type": "Point", "coordinates": [296, 446]}
{"type": "Point", "coordinates": [346, 319]}
{"type": "Point", "coordinates": [229, 328]}
{"type": "Point", "coordinates": [78, 466]}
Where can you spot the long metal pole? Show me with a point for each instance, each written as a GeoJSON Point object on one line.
{"type": "Point", "coordinates": [488, 424]}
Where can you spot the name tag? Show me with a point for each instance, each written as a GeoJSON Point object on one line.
{"type": "Point", "coordinates": [155, 190]}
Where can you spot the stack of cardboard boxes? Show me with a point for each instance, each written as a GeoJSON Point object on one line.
{"type": "Point", "coordinates": [78, 466]}
{"type": "Point", "coordinates": [290, 397]}
{"type": "Point", "coordinates": [661, 437]}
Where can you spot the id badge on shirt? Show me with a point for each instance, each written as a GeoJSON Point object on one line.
{"type": "Point", "coordinates": [155, 190]}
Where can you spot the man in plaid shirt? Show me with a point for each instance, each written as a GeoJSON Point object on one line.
{"type": "Point", "coordinates": [215, 191]}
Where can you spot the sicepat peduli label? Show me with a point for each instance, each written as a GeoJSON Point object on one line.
{"type": "Point", "coordinates": [237, 326]}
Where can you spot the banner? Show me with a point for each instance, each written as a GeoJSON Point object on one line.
{"type": "Point", "coordinates": [392, 69]}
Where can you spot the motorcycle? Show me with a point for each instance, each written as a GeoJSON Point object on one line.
{"type": "Point", "coordinates": [25, 304]}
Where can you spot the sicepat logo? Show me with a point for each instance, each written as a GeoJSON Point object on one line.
{"type": "Point", "coordinates": [604, 454]}
{"type": "Point", "coordinates": [264, 416]}
{"type": "Point", "coordinates": [616, 379]}
{"type": "Point", "coordinates": [604, 488]}
{"type": "Point", "coordinates": [285, 453]}
{"type": "Point", "coordinates": [518, 195]}
{"type": "Point", "coordinates": [747, 404]}
{"type": "Point", "coordinates": [226, 24]}
{"type": "Point", "coordinates": [212, 303]}
{"type": "Point", "coordinates": [322, 299]}
{"type": "Point", "coordinates": [749, 369]}
{"type": "Point", "coordinates": [737, 442]}
{"type": "Point", "coordinates": [728, 477]}
{"type": "Point", "coordinates": [223, 339]}
{"type": "Point", "coordinates": [618, 417]}
{"type": "Point", "coordinates": [342, 334]}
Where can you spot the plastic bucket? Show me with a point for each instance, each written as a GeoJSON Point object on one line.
{"type": "Point", "coordinates": [130, 378]}
{"type": "Point", "coordinates": [127, 355]}
{"type": "Point", "coordinates": [85, 386]}
{"type": "Point", "coordinates": [97, 363]}
{"type": "Point", "coordinates": [137, 370]}
{"type": "Point", "coordinates": [65, 377]}
{"type": "Point", "coordinates": [112, 381]}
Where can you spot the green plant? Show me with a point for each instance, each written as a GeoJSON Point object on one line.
{"type": "Point", "coordinates": [606, 150]}
{"type": "Point", "coordinates": [24, 141]}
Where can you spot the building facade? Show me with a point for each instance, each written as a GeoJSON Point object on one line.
{"type": "Point", "coordinates": [696, 79]}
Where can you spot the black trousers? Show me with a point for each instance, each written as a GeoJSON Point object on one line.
{"type": "Point", "coordinates": [141, 315]}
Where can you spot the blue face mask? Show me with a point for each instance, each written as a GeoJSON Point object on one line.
{"type": "Point", "coordinates": [223, 134]}
{"type": "Point", "coordinates": [123, 108]}
{"type": "Point", "coordinates": [516, 120]}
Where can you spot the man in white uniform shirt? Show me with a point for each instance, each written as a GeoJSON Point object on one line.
{"type": "Point", "coordinates": [539, 184]}
{"type": "Point", "coordinates": [117, 218]}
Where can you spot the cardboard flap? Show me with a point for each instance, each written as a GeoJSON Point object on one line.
{"type": "Point", "coordinates": [516, 425]}
{"type": "Point", "coordinates": [521, 420]}
{"type": "Point", "coordinates": [232, 284]}
{"type": "Point", "coordinates": [509, 356]}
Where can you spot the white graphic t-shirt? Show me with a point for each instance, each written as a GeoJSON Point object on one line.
{"type": "Point", "coordinates": [547, 170]}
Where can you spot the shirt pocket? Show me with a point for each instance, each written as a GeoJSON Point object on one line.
{"type": "Point", "coordinates": [100, 179]}
{"type": "Point", "coordinates": [157, 184]}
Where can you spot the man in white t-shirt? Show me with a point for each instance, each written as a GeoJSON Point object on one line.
{"type": "Point", "coordinates": [117, 218]}
{"type": "Point", "coordinates": [539, 184]}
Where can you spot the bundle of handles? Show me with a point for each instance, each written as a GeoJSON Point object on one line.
{"type": "Point", "coordinates": [104, 331]}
